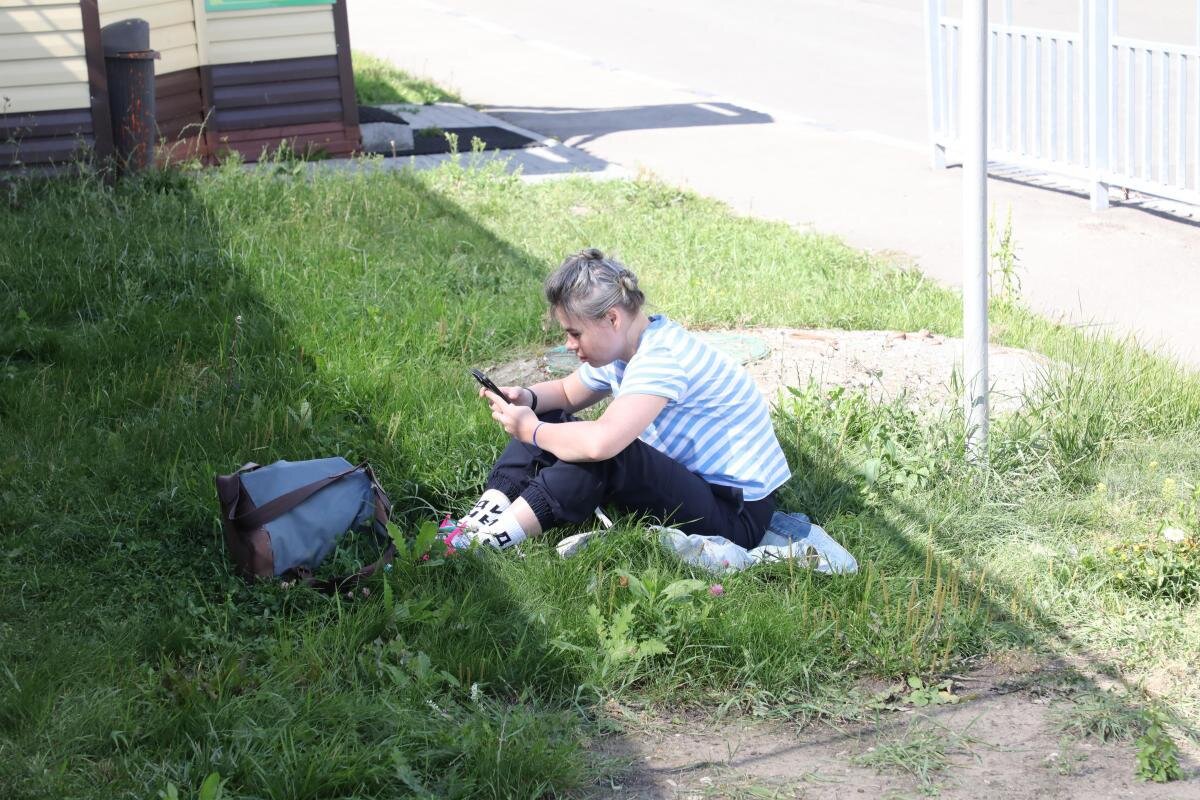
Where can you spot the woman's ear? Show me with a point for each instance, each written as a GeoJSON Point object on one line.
{"type": "Point", "coordinates": [613, 316]}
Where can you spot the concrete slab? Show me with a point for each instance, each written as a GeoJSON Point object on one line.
{"type": "Point", "coordinates": [450, 115]}
{"type": "Point", "coordinates": [385, 138]}
{"type": "Point", "coordinates": [532, 164]}
{"type": "Point", "coordinates": [548, 160]}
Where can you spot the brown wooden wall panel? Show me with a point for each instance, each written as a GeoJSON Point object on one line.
{"type": "Point", "coordinates": [37, 170]}
{"type": "Point", "coordinates": [308, 102]}
{"type": "Point", "coordinates": [341, 34]}
{"type": "Point", "coordinates": [45, 123]}
{"type": "Point", "coordinates": [178, 103]}
{"type": "Point", "coordinates": [97, 78]}
{"type": "Point", "coordinates": [183, 81]}
{"type": "Point", "coordinates": [45, 136]}
{"type": "Point", "coordinates": [277, 116]}
{"type": "Point", "coordinates": [180, 127]}
{"type": "Point", "coordinates": [287, 69]}
{"type": "Point", "coordinates": [273, 94]}
{"type": "Point", "coordinates": [182, 147]}
{"type": "Point", "coordinates": [253, 151]}
{"type": "Point", "coordinates": [334, 139]}
{"type": "Point", "coordinates": [311, 129]}
{"type": "Point", "coordinates": [59, 149]}
{"type": "Point", "coordinates": [270, 94]}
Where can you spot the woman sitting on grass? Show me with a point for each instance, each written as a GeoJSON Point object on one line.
{"type": "Point", "coordinates": [687, 438]}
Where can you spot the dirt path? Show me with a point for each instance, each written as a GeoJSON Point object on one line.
{"type": "Point", "coordinates": [1001, 741]}
{"type": "Point", "coordinates": [915, 366]}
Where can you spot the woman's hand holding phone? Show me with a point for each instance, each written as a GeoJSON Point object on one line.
{"type": "Point", "coordinates": [487, 383]}
{"type": "Point", "coordinates": [517, 419]}
{"type": "Point", "coordinates": [512, 394]}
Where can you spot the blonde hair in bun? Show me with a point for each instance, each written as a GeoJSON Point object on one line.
{"type": "Point", "coordinates": [588, 283]}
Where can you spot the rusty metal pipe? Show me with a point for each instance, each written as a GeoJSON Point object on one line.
{"type": "Point", "coordinates": [129, 65]}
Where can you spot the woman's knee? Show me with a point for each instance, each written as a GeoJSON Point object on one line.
{"type": "Point", "coordinates": [571, 490]}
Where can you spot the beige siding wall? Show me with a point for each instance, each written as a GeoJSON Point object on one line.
{"type": "Point", "coordinates": [269, 33]}
{"type": "Point", "coordinates": [42, 65]}
{"type": "Point", "coordinates": [172, 29]}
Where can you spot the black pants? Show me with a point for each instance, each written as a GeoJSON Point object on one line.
{"type": "Point", "coordinates": [639, 480]}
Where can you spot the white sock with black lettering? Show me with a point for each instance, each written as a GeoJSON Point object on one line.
{"type": "Point", "coordinates": [503, 533]}
{"type": "Point", "coordinates": [486, 510]}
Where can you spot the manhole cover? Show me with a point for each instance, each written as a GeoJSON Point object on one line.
{"type": "Point", "coordinates": [739, 347]}
{"type": "Point", "coordinates": [561, 361]}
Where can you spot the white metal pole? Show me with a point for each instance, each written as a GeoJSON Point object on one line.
{"type": "Point", "coordinates": [937, 81]}
{"type": "Point", "coordinates": [975, 240]}
{"type": "Point", "coordinates": [1097, 64]}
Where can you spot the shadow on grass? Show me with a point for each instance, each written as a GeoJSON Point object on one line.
{"type": "Point", "coordinates": [920, 604]}
{"type": "Point", "coordinates": [924, 604]}
{"type": "Point", "coordinates": [140, 355]}
{"type": "Point", "coordinates": [139, 660]}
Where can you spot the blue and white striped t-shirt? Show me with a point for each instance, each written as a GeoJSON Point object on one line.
{"type": "Point", "coordinates": [715, 423]}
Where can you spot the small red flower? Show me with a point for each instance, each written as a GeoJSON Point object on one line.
{"type": "Point", "coordinates": [716, 590]}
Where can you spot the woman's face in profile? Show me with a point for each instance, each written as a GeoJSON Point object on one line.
{"type": "Point", "coordinates": [595, 342]}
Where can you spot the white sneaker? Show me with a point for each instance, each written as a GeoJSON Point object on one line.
{"type": "Point", "coordinates": [570, 545]}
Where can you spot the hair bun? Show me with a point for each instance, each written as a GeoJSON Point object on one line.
{"type": "Point", "coordinates": [589, 283]}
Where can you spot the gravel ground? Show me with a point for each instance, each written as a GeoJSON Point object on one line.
{"type": "Point", "coordinates": [916, 366]}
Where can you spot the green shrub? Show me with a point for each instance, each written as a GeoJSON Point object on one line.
{"type": "Point", "coordinates": [1165, 565]}
{"type": "Point", "coordinates": [1158, 755]}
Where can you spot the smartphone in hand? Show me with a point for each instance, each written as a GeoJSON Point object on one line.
{"type": "Point", "coordinates": [487, 383]}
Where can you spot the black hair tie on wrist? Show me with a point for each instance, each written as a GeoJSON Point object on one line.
{"type": "Point", "coordinates": [532, 398]}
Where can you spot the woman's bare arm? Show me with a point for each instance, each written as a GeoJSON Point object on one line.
{"type": "Point", "coordinates": [569, 394]}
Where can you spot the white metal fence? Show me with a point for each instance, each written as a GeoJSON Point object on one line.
{"type": "Point", "coordinates": [1089, 104]}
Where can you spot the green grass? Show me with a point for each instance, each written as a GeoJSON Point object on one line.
{"type": "Point", "coordinates": [133, 659]}
{"type": "Point", "coordinates": [1101, 716]}
{"type": "Point", "coordinates": [923, 750]}
{"type": "Point", "coordinates": [378, 81]}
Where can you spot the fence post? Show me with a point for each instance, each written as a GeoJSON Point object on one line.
{"type": "Point", "coordinates": [975, 233]}
{"type": "Point", "coordinates": [1097, 34]}
{"type": "Point", "coordinates": [937, 80]}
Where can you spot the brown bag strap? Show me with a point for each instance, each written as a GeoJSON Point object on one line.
{"type": "Point", "coordinates": [383, 512]}
{"type": "Point", "coordinates": [258, 517]}
{"type": "Point", "coordinates": [345, 583]}
{"type": "Point", "coordinates": [383, 506]}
